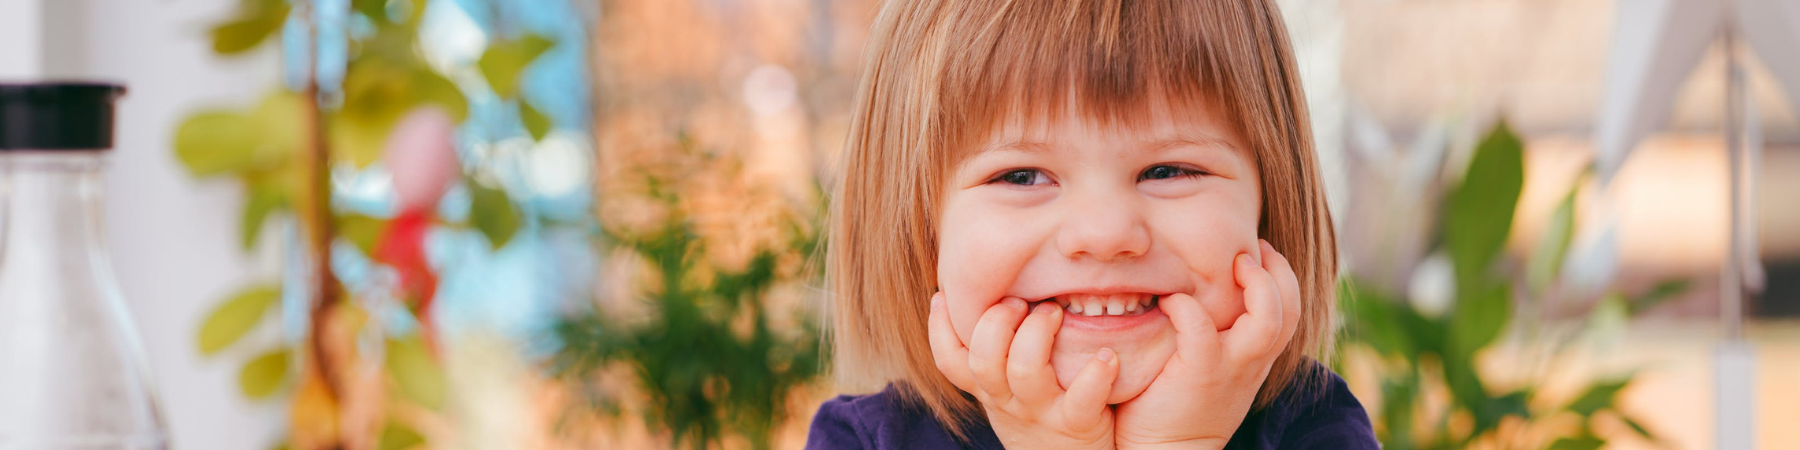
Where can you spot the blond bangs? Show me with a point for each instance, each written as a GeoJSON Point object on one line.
{"type": "Point", "coordinates": [940, 75]}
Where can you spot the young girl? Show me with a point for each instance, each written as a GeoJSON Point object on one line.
{"type": "Point", "coordinates": [1083, 224]}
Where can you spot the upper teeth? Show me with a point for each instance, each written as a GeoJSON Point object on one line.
{"type": "Point", "coordinates": [1109, 305]}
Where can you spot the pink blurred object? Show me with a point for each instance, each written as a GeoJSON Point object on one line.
{"type": "Point", "coordinates": [421, 157]}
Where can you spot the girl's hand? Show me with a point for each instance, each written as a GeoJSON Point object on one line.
{"type": "Point", "coordinates": [1009, 371]}
{"type": "Point", "coordinates": [1208, 385]}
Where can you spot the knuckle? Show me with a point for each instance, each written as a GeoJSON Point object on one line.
{"type": "Point", "coordinates": [942, 349]}
{"type": "Point", "coordinates": [944, 365]}
{"type": "Point", "coordinates": [988, 371]}
{"type": "Point", "coordinates": [1018, 369]}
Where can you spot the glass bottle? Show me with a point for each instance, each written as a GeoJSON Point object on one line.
{"type": "Point", "coordinates": [72, 371]}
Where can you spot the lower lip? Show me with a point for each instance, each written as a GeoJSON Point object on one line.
{"type": "Point", "coordinates": [1072, 321]}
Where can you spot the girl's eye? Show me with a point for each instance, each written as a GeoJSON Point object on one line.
{"type": "Point", "coordinates": [1023, 177]}
{"type": "Point", "coordinates": [1164, 172]}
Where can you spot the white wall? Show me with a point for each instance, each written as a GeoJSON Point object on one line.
{"type": "Point", "coordinates": [19, 31]}
{"type": "Point", "coordinates": [174, 239]}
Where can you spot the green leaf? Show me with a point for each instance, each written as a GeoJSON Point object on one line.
{"type": "Point", "coordinates": [1488, 414]}
{"type": "Point", "coordinates": [432, 88]}
{"type": "Point", "coordinates": [238, 315]}
{"type": "Point", "coordinates": [241, 35]}
{"type": "Point", "coordinates": [1553, 244]}
{"type": "Point", "coordinates": [417, 375]}
{"type": "Point", "coordinates": [536, 122]}
{"type": "Point", "coordinates": [1398, 395]}
{"type": "Point", "coordinates": [492, 213]}
{"type": "Point", "coordinates": [1390, 327]}
{"type": "Point", "coordinates": [1609, 318]}
{"type": "Point", "coordinates": [266, 194]}
{"type": "Point", "coordinates": [1578, 443]}
{"type": "Point", "coordinates": [1465, 383]}
{"type": "Point", "coordinates": [377, 95]}
{"type": "Point", "coordinates": [1481, 209]}
{"type": "Point", "coordinates": [1662, 292]}
{"type": "Point", "coordinates": [1599, 395]}
{"type": "Point", "coordinates": [503, 61]}
{"type": "Point", "coordinates": [264, 374]}
{"type": "Point", "coordinates": [1478, 319]}
{"type": "Point", "coordinates": [1476, 322]}
{"type": "Point", "coordinates": [279, 121]}
{"type": "Point", "coordinates": [363, 231]}
{"type": "Point", "coordinates": [395, 436]}
{"type": "Point", "coordinates": [376, 10]}
{"type": "Point", "coordinates": [255, 22]}
{"type": "Point", "coordinates": [1638, 427]}
{"type": "Point", "coordinates": [215, 142]}
{"type": "Point", "coordinates": [358, 142]}
{"type": "Point", "coordinates": [257, 206]}
{"type": "Point", "coordinates": [378, 89]}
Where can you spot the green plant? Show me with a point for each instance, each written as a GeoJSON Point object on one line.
{"type": "Point", "coordinates": [284, 151]}
{"type": "Point", "coordinates": [707, 353]}
{"type": "Point", "coordinates": [1426, 363]}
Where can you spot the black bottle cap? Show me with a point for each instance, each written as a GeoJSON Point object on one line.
{"type": "Point", "coordinates": [57, 115]}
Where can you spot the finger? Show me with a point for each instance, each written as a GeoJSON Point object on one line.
{"type": "Point", "coordinates": [952, 357]}
{"type": "Point", "coordinates": [1085, 401]}
{"type": "Point", "coordinates": [988, 347]}
{"type": "Point", "coordinates": [1277, 265]}
{"type": "Point", "coordinates": [1255, 333]}
{"type": "Point", "coordinates": [1196, 335]}
{"type": "Point", "coordinates": [1028, 364]}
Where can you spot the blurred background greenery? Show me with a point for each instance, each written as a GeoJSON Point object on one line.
{"type": "Point", "coordinates": [543, 224]}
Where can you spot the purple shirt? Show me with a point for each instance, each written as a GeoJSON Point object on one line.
{"type": "Point", "coordinates": [1316, 418]}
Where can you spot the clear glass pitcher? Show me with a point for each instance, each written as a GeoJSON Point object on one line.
{"type": "Point", "coordinates": [72, 371]}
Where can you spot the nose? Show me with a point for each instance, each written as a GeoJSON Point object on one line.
{"type": "Point", "coordinates": [1102, 227]}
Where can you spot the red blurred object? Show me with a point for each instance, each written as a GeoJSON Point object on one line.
{"type": "Point", "coordinates": [402, 246]}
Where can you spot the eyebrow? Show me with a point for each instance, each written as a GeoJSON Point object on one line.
{"type": "Point", "coordinates": [1157, 146]}
{"type": "Point", "coordinates": [1192, 140]}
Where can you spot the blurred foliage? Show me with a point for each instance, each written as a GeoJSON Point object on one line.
{"type": "Point", "coordinates": [1432, 393]}
{"type": "Point", "coordinates": [711, 354]}
{"type": "Point", "coordinates": [385, 77]}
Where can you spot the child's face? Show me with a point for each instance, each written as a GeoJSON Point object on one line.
{"type": "Point", "coordinates": [1104, 219]}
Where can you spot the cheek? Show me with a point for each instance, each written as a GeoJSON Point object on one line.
{"type": "Point", "coordinates": [1207, 237]}
{"type": "Point", "coordinates": [980, 253]}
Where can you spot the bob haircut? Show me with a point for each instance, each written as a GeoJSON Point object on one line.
{"type": "Point", "coordinates": [940, 75]}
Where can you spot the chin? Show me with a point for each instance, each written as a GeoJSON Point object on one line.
{"type": "Point", "coordinates": [1144, 343]}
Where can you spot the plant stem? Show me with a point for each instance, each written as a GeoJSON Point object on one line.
{"type": "Point", "coordinates": [318, 229]}
{"type": "Point", "coordinates": [316, 224]}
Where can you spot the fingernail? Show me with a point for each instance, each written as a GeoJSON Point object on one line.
{"type": "Point", "coordinates": [1106, 355]}
{"type": "Point", "coordinates": [937, 300]}
{"type": "Point", "coordinates": [1243, 259]}
{"type": "Point", "coordinates": [1015, 303]}
{"type": "Point", "coordinates": [1266, 246]}
{"type": "Point", "coordinates": [1041, 308]}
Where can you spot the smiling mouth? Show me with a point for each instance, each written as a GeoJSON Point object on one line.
{"type": "Point", "coordinates": [1093, 305]}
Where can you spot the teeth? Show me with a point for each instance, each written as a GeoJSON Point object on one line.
{"type": "Point", "coordinates": [1106, 305]}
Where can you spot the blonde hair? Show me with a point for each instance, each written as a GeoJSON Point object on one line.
{"type": "Point", "coordinates": [941, 74]}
